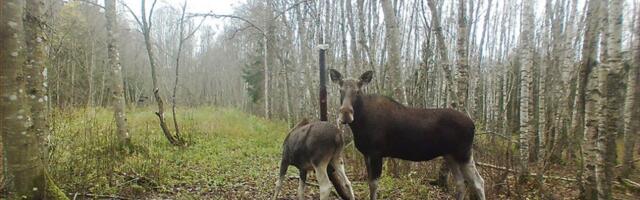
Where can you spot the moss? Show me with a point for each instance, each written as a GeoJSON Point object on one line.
{"type": "Point", "coordinates": [53, 192]}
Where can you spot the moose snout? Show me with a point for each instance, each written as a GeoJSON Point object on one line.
{"type": "Point", "coordinates": [346, 115]}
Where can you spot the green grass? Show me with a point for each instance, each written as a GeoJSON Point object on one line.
{"type": "Point", "coordinates": [231, 155]}
{"type": "Point", "coordinates": [227, 149]}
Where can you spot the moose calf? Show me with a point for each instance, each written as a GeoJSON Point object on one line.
{"type": "Point", "coordinates": [315, 146]}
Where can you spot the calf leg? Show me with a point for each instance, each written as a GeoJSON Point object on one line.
{"type": "Point", "coordinates": [458, 177]}
{"type": "Point", "coordinates": [283, 171]}
{"type": "Point", "coordinates": [302, 183]}
{"type": "Point", "coordinates": [471, 174]}
{"type": "Point", "coordinates": [374, 170]}
{"type": "Point", "coordinates": [323, 179]}
{"type": "Point", "coordinates": [344, 189]}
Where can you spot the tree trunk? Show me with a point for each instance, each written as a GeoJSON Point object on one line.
{"type": "Point", "coordinates": [611, 83]}
{"type": "Point", "coordinates": [181, 39]}
{"type": "Point", "coordinates": [23, 161]}
{"type": "Point", "coordinates": [269, 56]}
{"type": "Point", "coordinates": [442, 48]}
{"type": "Point", "coordinates": [392, 40]}
{"type": "Point", "coordinates": [145, 26]}
{"type": "Point", "coordinates": [526, 87]}
{"type": "Point", "coordinates": [117, 90]}
{"type": "Point", "coordinates": [587, 63]}
{"type": "Point", "coordinates": [462, 50]}
{"type": "Point", "coordinates": [632, 105]}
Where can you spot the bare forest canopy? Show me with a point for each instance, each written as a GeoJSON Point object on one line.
{"type": "Point", "coordinates": [552, 86]}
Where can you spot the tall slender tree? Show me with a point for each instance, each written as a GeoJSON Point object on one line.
{"type": "Point", "coordinates": [117, 88]}
{"type": "Point", "coordinates": [462, 51]}
{"type": "Point", "coordinates": [587, 95]}
{"type": "Point", "coordinates": [145, 23]}
{"type": "Point", "coordinates": [611, 85]}
{"type": "Point", "coordinates": [631, 106]}
{"type": "Point", "coordinates": [526, 87]}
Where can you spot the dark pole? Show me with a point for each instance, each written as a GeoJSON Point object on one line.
{"type": "Point", "coordinates": [323, 80]}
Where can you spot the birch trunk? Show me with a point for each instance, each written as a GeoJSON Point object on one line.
{"type": "Point", "coordinates": [611, 83]}
{"type": "Point", "coordinates": [586, 99]}
{"type": "Point", "coordinates": [117, 90]}
{"type": "Point", "coordinates": [526, 102]}
{"type": "Point", "coordinates": [393, 49]}
{"type": "Point", "coordinates": [463, 64]}
{"type": "Point", "coordinates": [632, 105]}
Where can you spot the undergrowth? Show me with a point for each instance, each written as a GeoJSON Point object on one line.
{"type": "Point", "coordinates": [230, 155]}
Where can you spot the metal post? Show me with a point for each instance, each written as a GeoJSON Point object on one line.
{"type": "Point", "coordinates": [323, 81]}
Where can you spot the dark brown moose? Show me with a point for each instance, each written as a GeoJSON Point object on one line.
{"type": "Point", "coordinates": [316, 146]}
{"type": "Point", "coordinates": [383, 127]}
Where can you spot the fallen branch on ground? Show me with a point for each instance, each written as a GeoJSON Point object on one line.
{"type": "Point", "coordinates": [531, 174]}
{"type": "Point", "coordinates": [633, 161]}
{"type": "Point", "coordinates": [630, 184]}
{"type": "Point", "coordinates": [100, 196]}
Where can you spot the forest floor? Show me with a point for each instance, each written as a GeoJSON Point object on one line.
{"type": "Point", "coordinates": [231, 155]}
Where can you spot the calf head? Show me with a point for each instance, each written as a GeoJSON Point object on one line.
{"type": "Point", "coordinates": [350, 90]}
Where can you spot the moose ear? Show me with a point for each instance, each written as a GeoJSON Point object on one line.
{"type": "Point", "coordinates": [366, 77]}
{"type": "Point", "coordinates": [336, 77]}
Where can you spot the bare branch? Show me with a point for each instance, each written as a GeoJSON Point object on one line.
{"type": "Point", "coordinates": [91, 3]}
{"type": "Point", "coordinates": [211, 14]}
{"type": "Point", "coordinates": [132, 14]}
{"type": "Point", "coordinates": [153, 5]}
{"type": "Point", "coordinates": [296, 4]}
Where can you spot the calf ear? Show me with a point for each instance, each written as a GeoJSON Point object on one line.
{"type": "Point", "coordinates": [366, 77]}
{"type": "Point", "coordinates": [336, 77]}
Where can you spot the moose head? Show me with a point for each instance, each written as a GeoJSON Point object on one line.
{"type": "Point", "coordinates": [350, 90]}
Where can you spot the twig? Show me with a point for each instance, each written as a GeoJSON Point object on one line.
{"type": "Point", "coordinates": [295, 178]}
{"type": "Point", "coordinates": [507, 138]}
{"type": "Point", "coordinates": [633, 161]}
{"type": "Point", "coordinates": [98, 196]}
{"type": "Point", "coordinates": [91, 3]}
{"type": "Point", "coordinates": [211, 14]}
{"type": "Point", "coordinates": [531, 174]}
{"type": "Point", "coordinates": [630, 184]}
{"type": "Point", "coordinates": [311, 184]}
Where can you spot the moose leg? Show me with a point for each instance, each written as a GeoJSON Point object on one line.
{"type": "Point", "coordinates": [278, 187]}
{"type": "Point", "coordinates": [302, 183]}
{"type": "Point", "coordinates": [456, 170]}
{"type": "Point", "coordinates": [374, 170]}
{"type": "Point", "coordinates": [338, 165]}
{"type": "Point", "coordinates": [283, 171]}
{"type": "Point", "coordinates": [471, 173]}
{"type": "Point", "coordinates": [323, 180]}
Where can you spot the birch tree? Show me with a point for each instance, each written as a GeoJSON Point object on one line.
{"type": "Point", "coordinates": [631, 106]}
{"type": "Point", "coordinates": [587, 93]}
{"type": "Point", "coordinates": [393, 49]}
{"type": "Point", "coordinates": [463, 63]}
{"type": "Point", "coordinates": [117, 89]}
{"type": "Point", "coordinates": [526, 98]}
{"type": "Point", "coordinates": [610, 85]}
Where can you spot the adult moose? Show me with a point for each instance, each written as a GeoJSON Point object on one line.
{"type": "Point", "coordinates": [383, 127]}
